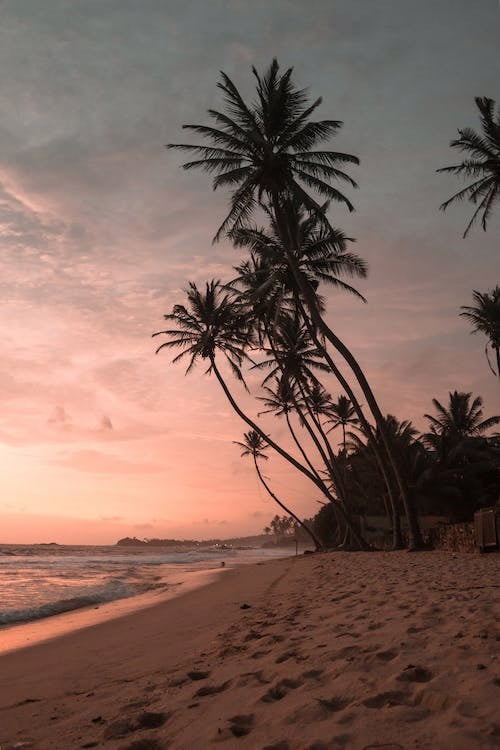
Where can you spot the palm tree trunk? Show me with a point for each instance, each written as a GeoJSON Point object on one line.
{"type": "Point", "coordinates": [396, 525]}
{"type": "Point", "coordinates": [284, 454]}
{"type": "Point", "coordinates": [415, 536]}
{"type": "Point", "coordinates": [316, 541]}
{"type": "Point", "coordinates": [299, 446]}
{"type": "Point", "coordinates": [330, 461]}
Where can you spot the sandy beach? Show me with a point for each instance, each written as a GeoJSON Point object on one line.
{"type": "Point", "coordinates": [341, 650]}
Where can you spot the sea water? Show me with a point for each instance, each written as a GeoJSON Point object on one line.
{"type": "Point", "coordinates": [40, 581]}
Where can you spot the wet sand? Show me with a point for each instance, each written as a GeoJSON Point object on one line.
{"type": "Point", "coordinates": [342, 650]}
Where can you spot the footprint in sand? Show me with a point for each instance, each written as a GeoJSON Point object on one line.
{"type": "Point", "coordinates": [282, 688]}
{"type": "Point", "coordinates": [145, 744]}
{"type": "Point", "coordinates": [198, 675]}
{"type": "Point", "coordinates": [253, 678]}
{"type": "Point", "coordinates": [387, 655]}
{"type": "Point", "coordinates": [389, 698]}
{"type": "Point", "coordinates": [146, 720]}
{"type": "Point", "coordinates": [259, 654]}
{"type": "Point", "coordinates": [284, 657]}
{"type": "Point", "coordinates": [241, 725]}
{"type": "Point", "coordinates": [415, 674]}
{"type": "Point", "coordinates": [212, 689]}
{"type": "Point", "coordinates": [281, 745]}
{"type": "Point", "coordinates": [332, 705]}
{"type": "Point", "coordinates": [253, 635]}
{"type": "Point", "coordinates": [312, 674]}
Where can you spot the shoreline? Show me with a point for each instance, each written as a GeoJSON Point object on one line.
{"type": "Point", "coordinates": [25, 634]}
{"type": "Point", "coordinates": [178, 580]}
{"type": "Point", "coordinates": [345, 650]}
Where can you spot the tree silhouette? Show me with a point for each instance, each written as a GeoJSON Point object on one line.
{"type": "Point", "coordinates": [254, 445]}
{"type": "Point", "coordinates": [268, 147]}
{"type": "Point", "coordinates": [266, 153]}
{"type": "Point", "coordinates": [483, 164]}
{"type": "Point", "coordinates": [460, 419]}
{"type": "Point", "coordinates": [485, 318]}
{"type": "Point", "coordinates": [342, 414]}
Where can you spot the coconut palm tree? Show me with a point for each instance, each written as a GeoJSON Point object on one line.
{"type": "Point", "coordinates": [268, 147]}
{"type": "Point", "coordinates": [482, 164]}
{"type": "Point", "coordinates": [461, 419]}
{"type": "Point", "coordinates": [267, 154]}
{"type": "Point", "coordinates": [464, 470]}
{"type": "Point", "coordinates": [281, 400]}
{"type": "Point", "coordinates": [485, 318]}
{"type": "Point", "coordinates": [343, 414]}
{"type": "Point", "coordinates": [214, 322]}
{"type": "Point", "coordinates": [254, 445]}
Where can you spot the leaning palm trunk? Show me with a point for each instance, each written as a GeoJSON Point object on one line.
{"type": "Point", "coordinates": [284, 454]}
{"type": "Point", "coordinates": [397, 538]}
{"type": "Point", "coordinates": [306, 528]}
{"type": "Point", "coordinates": [415, 537]}
{"type": "Point", "coordinates": [301, 449]}
{"type": "Point", "coordinates": [328, 460]}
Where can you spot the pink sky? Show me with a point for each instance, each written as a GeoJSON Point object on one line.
{"type": "Point", "coordinates": [101, 231]}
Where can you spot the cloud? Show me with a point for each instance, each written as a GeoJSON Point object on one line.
{"type": "Point", "coordinates": [106, 423]}
{"type": "Point", "coordinates": [59, 416]}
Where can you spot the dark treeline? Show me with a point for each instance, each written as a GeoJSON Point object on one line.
{"type": "Point", "coordinates": [270, 320]}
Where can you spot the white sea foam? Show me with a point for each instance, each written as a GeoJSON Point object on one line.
{"type": "Point", "coordinates": [43, 580]}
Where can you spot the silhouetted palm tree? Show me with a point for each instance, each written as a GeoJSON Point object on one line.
{"type": "Point", "coordinates": [485, 318]}
{"type": "Point", "coordinates": [343, 414]}
{"type": "Point", "coordinates": [268, 150]}
{"type": "Point", "coordinates": [268, 147]}
{"type": "Point", "coordinates": [282, 400]}
{"type": "Point", "coordinates": [483, 164]}
{"type": "Point", "coordinates": [214, 322]}
{"type": "Point", "coordinates": [403, 439]}
{"type": "Point", "coordinates": [254, 445]}
{"type": "Point", "coordinates": [319, 255]}
{"type": "Point", "coordinates": [461, 419]}
{"type": "Point", "coordinates": [464, 471]}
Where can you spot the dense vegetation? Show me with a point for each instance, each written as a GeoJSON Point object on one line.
{"type": "Point", "coordinates": [271, 319]}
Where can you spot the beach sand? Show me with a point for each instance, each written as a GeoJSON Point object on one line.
{"type": "Point", "coordinates": [337, 650]}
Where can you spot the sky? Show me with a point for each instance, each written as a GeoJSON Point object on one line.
{"type": "Point", "coordinates": [101, 231]}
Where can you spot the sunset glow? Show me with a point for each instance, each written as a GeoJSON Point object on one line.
{"type": "Point", "coordinates": [102, 230]}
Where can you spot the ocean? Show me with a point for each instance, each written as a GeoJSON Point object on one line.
{"type": "Point", "coordinates": [40, 581]}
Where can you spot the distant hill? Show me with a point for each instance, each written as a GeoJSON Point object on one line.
{"type": "Point", "coordinates": [243, 541]}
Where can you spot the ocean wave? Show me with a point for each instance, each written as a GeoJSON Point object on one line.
{"type": "Point", "coordinates": [110, 591]}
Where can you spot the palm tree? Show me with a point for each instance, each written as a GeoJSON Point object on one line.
{"type": "Point", "coordinates": [485, 318]}
{"type": "Point", "coordinates": [214, 322]}
{"type": "Point", "coordinates": [483, 164]}
{"type": "Point", "coordinates": [268, 147]}
{"type": "Point", "coordinates": [282, 400]}
{"type": "Point", "coordinates": [464, 468]}
{"type": "Point", "coordinates": [343, 414]}
{"type": "Point", "coordinates": [254, 445]}
{"type": "Point", "coordinates": [460, 420]}
{"type": "Point", "coordinates": [403, 439]}
{"type": "Point", "coordinates": [267, 152]}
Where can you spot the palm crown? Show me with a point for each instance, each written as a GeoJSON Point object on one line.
{"type": "Point", "coordinates": [319, 252]}
{"type": "Point", "coordinates": [483, 165]}
{"type": "Point", "coordinates": [462, 419]}
{"type": "Point", "coordinates": [268, 147]}
{"type": "Point", "coordinates": [485, 318]}
{"type": "Point", "coordinates": [253, 445]}
{"type": "Point", "coordinates": [212, 321]}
